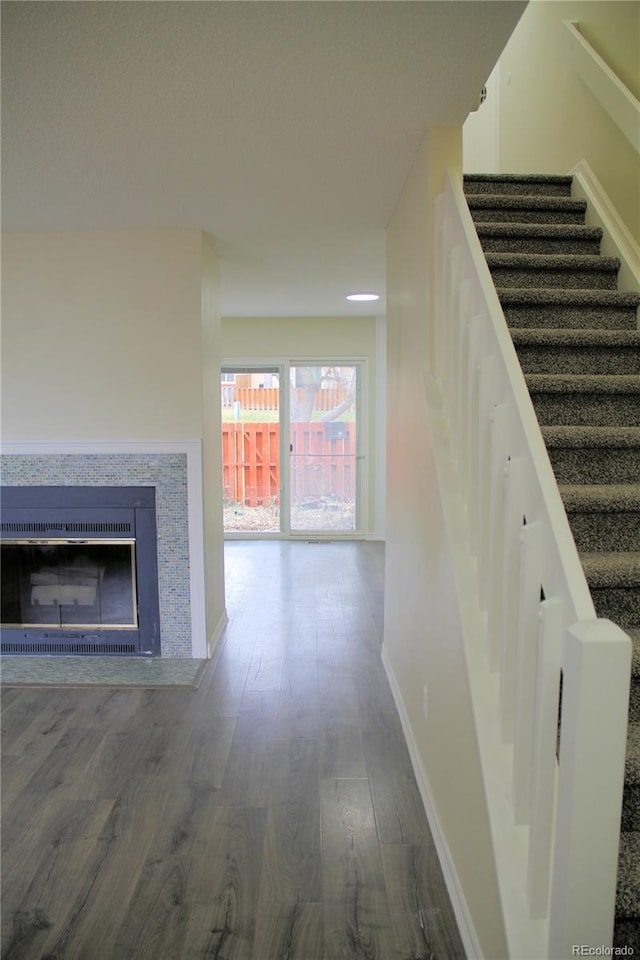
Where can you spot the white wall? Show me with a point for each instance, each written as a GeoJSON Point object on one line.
{"type": "Point", "coordinates": [423, 643]}
{"type": "Point", "coordinates": [101, 335]}
{"type": "Point", "coordinates": [549, 119]}
{"type": "Point", "coordinates": [480, 133]}
{"type": "Point", "coordinates": [321, 338]}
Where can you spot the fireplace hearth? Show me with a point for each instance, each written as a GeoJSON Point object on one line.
{"type": "Point", "coordinates": [79, 572]}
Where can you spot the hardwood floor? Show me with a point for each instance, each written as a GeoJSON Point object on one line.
{"type": "Point", "coordinates": [272, 814]}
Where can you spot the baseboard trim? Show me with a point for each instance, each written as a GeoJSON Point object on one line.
{"type": "Point", "coordinates": [215, 640]}
{"type": "Point", "coordinates": [617, 241]}
{"type": "Point", "coordinates": [458, 901]}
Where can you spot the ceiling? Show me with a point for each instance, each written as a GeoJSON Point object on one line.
{"type": "Point", "coordinates": [284, 130]}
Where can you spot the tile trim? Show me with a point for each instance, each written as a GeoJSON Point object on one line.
{"type": "Point", "coordinates": [193, 451]}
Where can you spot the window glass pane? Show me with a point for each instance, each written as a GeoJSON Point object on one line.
{"type": "Point", "coordinates": [251, 452]}
{"type": "Point", "coordinates": [323, 448]}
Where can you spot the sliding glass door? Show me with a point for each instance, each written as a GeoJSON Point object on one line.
{"type": "Point", "coordinates": [291, 457]}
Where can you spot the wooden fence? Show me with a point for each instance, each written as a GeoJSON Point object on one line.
{"type": "Point", "coordinates": [323, 462]}
{"type": "Point", "coordinates": [267, 398]}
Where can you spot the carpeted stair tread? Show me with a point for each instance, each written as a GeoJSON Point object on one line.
{"type": "Point", "coordinates": [581, 437]}
{"type": "Point", "coordinates": [634, 633]}
{"type": "Point", "coordinates": [603, 517]}
{"type": "Point", "coordinates": [630, 820]}
{"type": "Point", "coordinates": [628, 891]}
{"type": "Point", "coordinates": [556, 271]}
{"type": "Point", "coordinates": [583, 383]}
{"type": "Point", "coordinates": [601, 497]}
{"type": "Point", "coordinates": [571, 298]}
{"type": "Point", "coordinates": [575, 337]}
{"type": "Point", "coordinates": [632, 758]}
{"type": "Point", "coordinates": [539, 231]}
{"type": "Point", "coordinates": [613, 578]}
{"type": "Point", "coordinates": [634, 694]}
{"type": "Point", "coordinates": [550, 238]}
{"type": "Point", "coordinates": [588, 399]}
{"type": "Point", "coordinates": [576, 308]}
{"type": "Point", "coordinates": [554, 261]}
{"type": "Point", "coordinates": [516, 209]}
{"type": "Point", "coordinates": [577, 350]}
{"type": "Point", "coordinates": [513, 183]}
{"type": "Point", "coordinates": [614, 582]}
{"type": "Point", "coordinates": [593, 454]}
{"type": "Point", "coordinates": [612, 569]}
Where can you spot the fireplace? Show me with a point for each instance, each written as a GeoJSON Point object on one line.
{"type": "Point", "coordinates": [79, 572]}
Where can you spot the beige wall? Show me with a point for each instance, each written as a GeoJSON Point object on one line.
{"type": "Point", "coordinates": [320, 338]}
{"type": "Point", "coordinates": [423, 635]}
{"type": "Point", "coordinates": [101, 336]}
{"type": "Point", "coordinates": [272, 337]}
{"type": "Point", "coordinates": [549, 120]}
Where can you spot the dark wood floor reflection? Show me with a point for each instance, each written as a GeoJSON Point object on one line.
{"type": "Point", "coordinates": [270, 815]}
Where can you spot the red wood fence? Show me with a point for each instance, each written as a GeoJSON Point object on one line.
{"type": "Point", "coordinates": [323, 462]}
{"type": "Point", "coordinates": [267, 398]}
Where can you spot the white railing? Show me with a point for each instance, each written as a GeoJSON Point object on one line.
{"type": "Point", "coordinates": [540, 623]}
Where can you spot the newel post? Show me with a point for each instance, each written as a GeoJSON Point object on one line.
{"type": "Point", "coordinates": [596, 667]}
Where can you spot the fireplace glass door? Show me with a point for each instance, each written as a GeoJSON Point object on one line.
{"type": "Point", "coordinates": [88, 584]}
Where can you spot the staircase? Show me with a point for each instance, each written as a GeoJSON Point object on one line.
{"type": "Point", "coordinates": [578, 343]}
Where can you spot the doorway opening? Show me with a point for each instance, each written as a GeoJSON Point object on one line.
{"type": "Point", "coordinates": [291, 449]}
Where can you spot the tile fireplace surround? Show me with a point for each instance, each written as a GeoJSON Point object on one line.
{"type": "Point", "coordinates": [175, 472]}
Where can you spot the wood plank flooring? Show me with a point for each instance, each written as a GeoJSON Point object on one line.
{"type": "Point", "coordinates": [272, 814]}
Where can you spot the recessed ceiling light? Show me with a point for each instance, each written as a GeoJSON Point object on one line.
{"type": "Point", "coordinates": [362, 296]}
